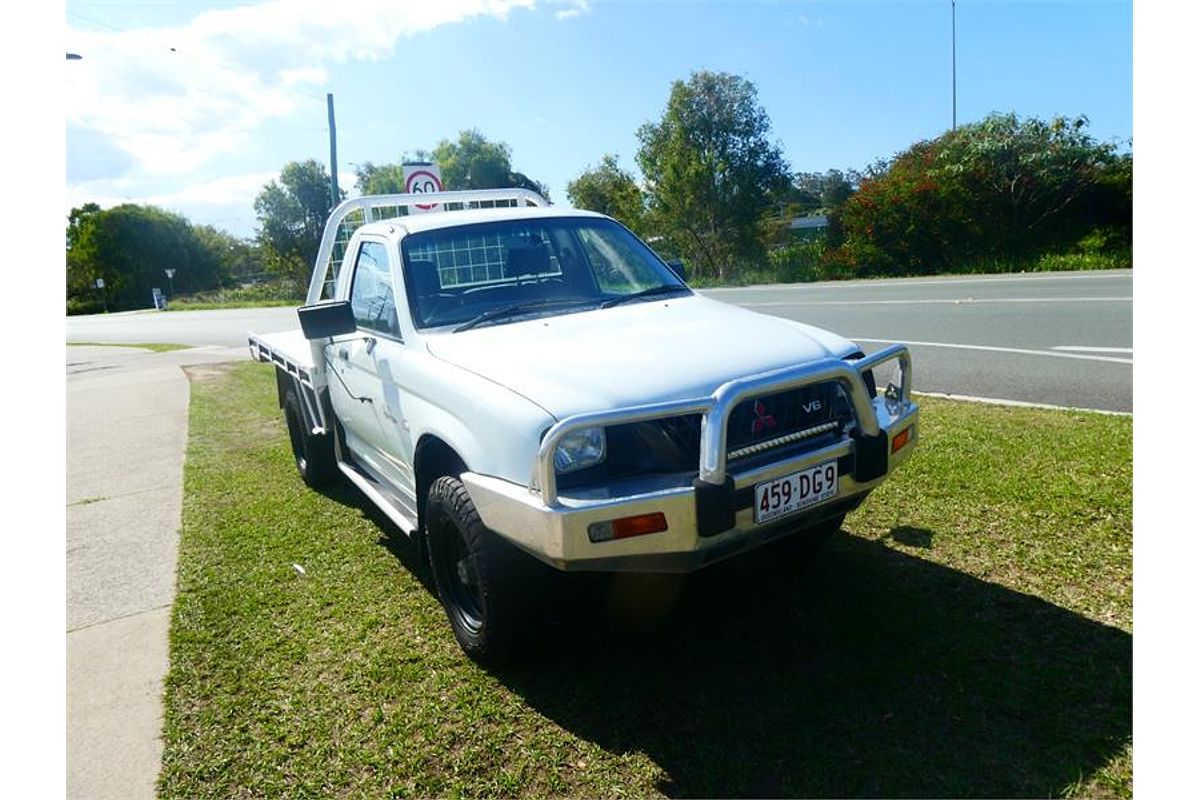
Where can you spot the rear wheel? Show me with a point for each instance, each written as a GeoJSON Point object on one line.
{"type": "Point", "coordinates": [313, 454]}
{"type": "Point", "coordinates": [485, 584]}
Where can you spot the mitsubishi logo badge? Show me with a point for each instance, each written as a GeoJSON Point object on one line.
{"type": "Point", "coordinates": [762, 420]}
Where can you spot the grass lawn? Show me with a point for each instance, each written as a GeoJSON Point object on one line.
{"type": "Point", "coordinates": [970, 634]}
{"type": "Point", "coordinates": [157, 347]}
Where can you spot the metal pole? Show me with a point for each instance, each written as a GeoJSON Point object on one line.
{"type": "Point", "coordinates": [333, 182]}
{"type": "Point", "coordinates": [953, 72]}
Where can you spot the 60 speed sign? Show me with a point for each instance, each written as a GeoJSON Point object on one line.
{"type": "Point", "coordinates": [423, 179]}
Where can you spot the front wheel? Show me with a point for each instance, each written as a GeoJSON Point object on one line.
{"type": "Point", "coordinates": [483, 582]}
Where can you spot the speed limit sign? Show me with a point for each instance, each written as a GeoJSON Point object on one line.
{"type": "Point", "coordinates": [423, 179]}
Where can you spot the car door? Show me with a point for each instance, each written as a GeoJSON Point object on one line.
{"type": "Point", "coordinates": [369, 362]}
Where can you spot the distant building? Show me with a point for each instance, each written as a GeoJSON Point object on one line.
{"type": "Point", "coordinates": [815, 222]}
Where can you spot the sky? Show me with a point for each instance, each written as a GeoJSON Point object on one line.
{"type": "Point", "coordinates": [194, 106]}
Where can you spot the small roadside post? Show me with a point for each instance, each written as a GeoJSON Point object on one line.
{"type": "Point", "coordinates": [103, 294]}
{"type": "Point", "coordinates": [171, 282]}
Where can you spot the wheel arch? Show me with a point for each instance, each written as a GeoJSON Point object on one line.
{"type": "Point", "coordinates": [433, 458]}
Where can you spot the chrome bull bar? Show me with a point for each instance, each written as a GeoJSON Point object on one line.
{"type": "Point", "coordinates": [716, 410]}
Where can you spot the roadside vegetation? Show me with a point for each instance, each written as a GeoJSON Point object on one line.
{"type": "Point", "coordinates": [254, 296]}
{"type": "Point", "coordinates": [157, 347]}
{"type": "Point", "coordinates": [1002, 194]}
{"type": "Point", "coordinates": [969, 634]}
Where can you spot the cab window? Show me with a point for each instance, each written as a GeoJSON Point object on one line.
{"type": "Point", "coordinates": [371, 295]}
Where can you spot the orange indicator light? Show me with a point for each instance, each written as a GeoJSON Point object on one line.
{"type": "Point", "coordinates": [627, 527]}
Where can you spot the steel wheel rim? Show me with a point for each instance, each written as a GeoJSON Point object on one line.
{"type": "Point", "coordinates": [459, 576]}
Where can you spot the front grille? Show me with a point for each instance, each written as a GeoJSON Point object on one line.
{"type": "Point", "coordinates": [799, 420]}
{"type": "Point", "coordinates": [790, 438]}
{"type": "Point", "coordinates": [770, 417]}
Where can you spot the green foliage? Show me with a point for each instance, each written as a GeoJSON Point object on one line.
{"type": "Point", "coordinates": [281, 293]}
{"type": "Point", "coordinates": [473, 162]}
{"type": "Point", "coordinates": [1003, 189]}
{"type": "Point", "coordinates": [713, 174]}
{"type": "Point", "coordinates": [240, 259]}
{"type": "Point", "coordinates": [807, 261]}
{"type": "Point", "coordinates": [470, 162]}
{"type": "Point", "coordinates": [610, 190]}
{"type": "Point", "coordinates": [129, 247]}
{"type": "Point", "coordinates": [822, 192]}
{"type": "Point", "coordinates": [291, 216]}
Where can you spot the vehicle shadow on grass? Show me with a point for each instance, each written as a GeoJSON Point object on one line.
{"type": "Point", "coordinates": [863, 672]}
{"type": "Point", "coordinates": [404, 548]}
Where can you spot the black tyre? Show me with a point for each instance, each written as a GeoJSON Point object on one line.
{"type": "Point", "coordinates": [313, 454]}
{"type": "Point", "coordinates": [485, 584]}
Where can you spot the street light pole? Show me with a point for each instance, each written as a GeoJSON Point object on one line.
{"type": "Point", "coordinates": [334, 194]}
{"type": "Point", "coordinates": [953, 72]}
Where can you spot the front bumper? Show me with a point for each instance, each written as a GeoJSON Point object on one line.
{"type": "Point", "coordinates": [711, 517]}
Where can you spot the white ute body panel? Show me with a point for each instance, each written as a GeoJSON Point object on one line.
{"type": "Point", "coordinates": [502, 396]}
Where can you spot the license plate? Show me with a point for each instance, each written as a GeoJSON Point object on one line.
{"type": "Point", "coordinates": [790, 493]}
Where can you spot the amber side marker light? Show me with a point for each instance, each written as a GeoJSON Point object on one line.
{"type": "Point", "coordinates": [626, 527]}
{"type": "Point", "coordinates": [901, 439]}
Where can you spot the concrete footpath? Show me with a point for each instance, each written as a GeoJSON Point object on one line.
{"type": "Point", "coordinates": [126, 434]}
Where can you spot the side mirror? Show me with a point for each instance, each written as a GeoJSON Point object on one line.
{"type": "Point", "coordinates": [678, 268]}
{"type": "Point", "coordinates": [323, 320]}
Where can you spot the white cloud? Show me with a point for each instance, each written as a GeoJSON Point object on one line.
{"type": "Point", "coordinates": [578, 7]}
{"type": "Point", "coordinates": [224, 202]}
{"type": "Point", "coordinates": [174, 99]}
{"type": "Point", "coordinates": [228, 190]}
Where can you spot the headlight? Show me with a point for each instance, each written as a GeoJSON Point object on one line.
{"type": "Point", "coordinates": [579, 449]}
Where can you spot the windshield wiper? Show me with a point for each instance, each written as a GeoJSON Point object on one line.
{"type": "Point", "coordinates": [519, 308]}
{"type": "Point", "coordinates": [651, 292]}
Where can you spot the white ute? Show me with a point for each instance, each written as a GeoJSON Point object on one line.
{"type": "Point", "coordinates": [514, 383]}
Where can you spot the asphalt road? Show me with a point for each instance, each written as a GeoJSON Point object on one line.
{"type": "Point", "coordinates": [1061, 339]}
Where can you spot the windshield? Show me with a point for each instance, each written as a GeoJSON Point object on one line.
{"type": "Point", "coordinates": [498, 272]}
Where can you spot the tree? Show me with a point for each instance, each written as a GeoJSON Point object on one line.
{"type": "Point", "coordinates": [712, 173]}
{"type": "Point", "coordinates": [473, 162]}
{"type": "Point", "coordinates": [1002, 190]}
{"type": "Point", "coordinates": [823, 192]}
{"type": "Point", "coordinates": [387, 178]}
{"type": "Point", "coordinates": [1024, 175]}
{"type": "Point", "coordinates": [470, 162]}
{"type": "Point", "coordinates": [129, 246]}
{"type": "Point", "coordinates": [291, 215]}
{"type": "Point", "coordinates": [610, 190]}
{"type": "Point", "coordinates": [239, 259]}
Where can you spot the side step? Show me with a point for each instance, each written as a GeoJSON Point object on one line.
{"type": "Point", "coordinates": [381, 497]}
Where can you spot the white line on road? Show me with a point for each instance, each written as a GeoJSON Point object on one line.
{"type": "Point", "coordinates": [932, 281]}
{"type": "Point", "coordinates": [1071, 348]}
{"type": "Point", "coordinates": [1016, 350]}
{"type": "Point", "coordinates": [963, 301]}
{"type": "Point", "coordinates": [1019, 403]}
